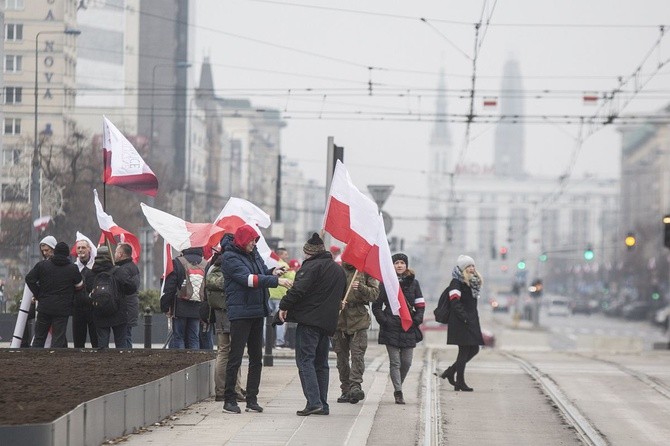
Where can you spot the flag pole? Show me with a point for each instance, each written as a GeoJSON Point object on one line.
{"type": "Point", "coordinates": [346, 295]}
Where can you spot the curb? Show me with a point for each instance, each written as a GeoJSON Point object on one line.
{"type": "Point", "coordinates": [119, 413]}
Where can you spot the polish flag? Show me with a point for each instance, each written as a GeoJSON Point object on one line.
{"type": "Point", "coordinates": [111, 230]}
{"type": "Point", "coordinates": [182, 234]}
{"type": "Point", "coordinates": [167, 263]}
{"type": "Point", "coordinates": [238, 212]}
{"type": "Point", "coordinates": [40, 224]}
{"type": "Point", "coordinates": [490, 101]}
{"type": "Point", "coordinates": [354, 219]}
{"type": "Point", "coordinates": [123, 166]}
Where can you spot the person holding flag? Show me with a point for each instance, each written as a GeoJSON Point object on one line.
{"type": "Point", "coordinates": [399, 343]}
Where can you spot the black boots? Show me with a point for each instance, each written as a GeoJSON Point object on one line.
{"type": "Point", "coordinates": [460, 385]}
{"type": "Point", "coordinates": [449, 375]}
{"type": "Point", "coordinates": [398, 397]}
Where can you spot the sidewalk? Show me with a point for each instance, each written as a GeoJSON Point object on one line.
{"type": "Point", "coordinates": [205, 423]}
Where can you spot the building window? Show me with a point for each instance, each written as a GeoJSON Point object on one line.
{"type": "Point", "coordinates": [12, 126]}
{"type": "Point", "coordinates": [13, 31]}
{"type": "Point", "coordinates": [13, 5]}
{"type": "Point", "coordinates": [11, 192]}
{"type": "Point", "coordinates": [10, 156]}
{"type": "Point", "coordinates": [13, 95]}
{"type": "Point", "coordinates": [13, 64]}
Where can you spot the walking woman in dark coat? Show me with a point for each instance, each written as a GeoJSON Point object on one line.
{"type": "Point", "coordinates": [464, 329]}
{"type": "Point", "coordinates": [400, 343]}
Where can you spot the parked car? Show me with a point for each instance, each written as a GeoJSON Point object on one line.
{"type": "Point", "coordinates": [558, 306]}
{"type": "Point", "coordinates": [580, 306]}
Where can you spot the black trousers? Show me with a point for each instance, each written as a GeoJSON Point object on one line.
{"type": "Point", "coordinates": [249, 333]}
{"type": "Point", "coordinates": [82, 322]}
{"type": "Point", "coordinates": [465, 354]}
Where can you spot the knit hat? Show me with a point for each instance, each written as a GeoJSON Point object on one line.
{"type": "Point", "coordinates": [62, 249]}
{"type": "Point", "coordinates": [244, 235]}
{"type": "Point", "coordinates": [400, 256]}
{"type": "Point", "coordinates": [314, 245]}
{"type": "Point", "coordinates": [50, 241]}
{"type": "Point", "coordinates": [464, 261]}
{"type": "Point", "coordinates": [103, 255]}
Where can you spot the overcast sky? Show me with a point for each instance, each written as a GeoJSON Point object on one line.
{"type": "Point", "coordinates": [310, 60]}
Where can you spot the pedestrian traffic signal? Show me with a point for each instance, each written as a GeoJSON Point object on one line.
{"type": "Point", "coordinates": [521, 265]}
{"type": "Point", "coordinates": [588, 254]}
{"type": "Point", "coordinates": [666, 237]}
{"type": "Point", "coordinates": [630, 240]}
{"type": "Point", "coordinates": [503, 252]}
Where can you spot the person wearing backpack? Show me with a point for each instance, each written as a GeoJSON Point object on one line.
{"type": "Point", "coordinates": [182, 295]}
{"type": "Point", "coordinates": [108, 287]}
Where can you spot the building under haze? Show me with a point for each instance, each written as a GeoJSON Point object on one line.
{"type": "Point", "coordinates": [509, 152]}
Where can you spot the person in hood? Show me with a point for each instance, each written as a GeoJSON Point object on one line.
{"type": "Point", "coordinates": [53, 282]}
{"type": "Point", "coordinates": [246, 283]}
{"type": "Point", "coordinates": [183, 309]}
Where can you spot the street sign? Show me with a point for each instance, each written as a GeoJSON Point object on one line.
{"type": "Point", "coordinates": [380, 193]}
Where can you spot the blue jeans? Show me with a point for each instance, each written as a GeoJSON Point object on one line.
{"type": "Point", "coordinates": [185, 333]}
{"type": "Point", "coordinates": [311, 357]}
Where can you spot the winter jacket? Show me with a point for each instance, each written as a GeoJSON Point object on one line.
{"type": "Point", "coordinates": [464, 326]}
{"type": "Point", "coordinates": [53, 282]}
{"type": "Point", "coordinates": [317, 293]}
{"type": "Point", "coordinates": [132, 300]}
{"type": "Point", "coordinates": [246, 281]}
{"type": "Point", "coordinates": [125, 285]}
{"type": "Point", "coordinates": [170, 301]}
{"type": "Point", "coordinates": [214, 289]}
{"type": "Point", "coordinates": [355, 315]}
{"type": "Point", "coordinates": [390, 328]}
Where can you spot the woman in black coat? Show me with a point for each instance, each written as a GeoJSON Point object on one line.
{"type": "Point", "coordinates": [464, 329]}
{"type": "Point", "coordinates": [400, 343]}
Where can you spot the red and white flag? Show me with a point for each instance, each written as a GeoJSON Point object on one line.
{"type": "Point", "coordinates": [167, 263]}
{"type": "Point", "coordinates": [238, 212]}
{"type": "Point", "coordinates": [111, 230]}
{"type": "Point", "coordinates": [354, 219]}
{"type": "Point", "coordinates": [182, 234]}
{"type": "Point", "coordinates": [124, 167]}
{"type": "Point", "coordinates": [40, 224]}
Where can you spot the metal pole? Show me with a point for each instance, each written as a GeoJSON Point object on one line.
{"type": "Point", "coordinates": [147, 327]}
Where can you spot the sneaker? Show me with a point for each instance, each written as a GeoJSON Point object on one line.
{"type": "Point", "coordinates": [310, 411]}
{"type": "Point", "coordinates": [344, 398]}
{"type": "Point", "coordinates": [253, 407]}
{"type": "Point", "coordinates": [231, 407]}
{"type": "Point", "coordinates": [355, 395]}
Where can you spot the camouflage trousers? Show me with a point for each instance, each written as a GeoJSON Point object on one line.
{"type": "Point", "coordinates": [350, 346]}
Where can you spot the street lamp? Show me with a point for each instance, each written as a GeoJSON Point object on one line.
{"type": "Point", "coordinates": [35, 173]}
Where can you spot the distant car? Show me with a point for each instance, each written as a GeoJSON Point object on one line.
{"type": "Point", "coordinates": [501, 303]}
{"type": "Point", "coordinates": [558, 306]}
{"type": "Point", "coordinates": [580, 306]}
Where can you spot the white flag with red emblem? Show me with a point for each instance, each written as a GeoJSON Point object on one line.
{"type": "Point", "coordinates": [354, 219]}
{"type": "Point", "coordinates": [124, 167]}
{"type": "Point", "coordinates": [113, 232]}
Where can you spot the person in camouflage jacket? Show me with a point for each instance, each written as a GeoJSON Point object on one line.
{"type": "Point", "coordinates": [351, 338]}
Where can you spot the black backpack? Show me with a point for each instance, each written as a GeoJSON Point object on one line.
{"type": "Point", "coordinates": [105, 298]}
{"type": "Point", "coordinates": [443, 308]}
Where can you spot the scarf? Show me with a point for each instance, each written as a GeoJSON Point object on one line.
{"type": "Point", "coordinates": [475, 282]}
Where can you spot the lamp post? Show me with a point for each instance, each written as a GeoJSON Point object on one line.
{"type": "Point", "coordinates": [35, 173]}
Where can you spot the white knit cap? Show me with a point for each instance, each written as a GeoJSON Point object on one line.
{"type": "Point", "coordinates": [49, 240]}
{"type": "Point", "coordinates": [464, 261]}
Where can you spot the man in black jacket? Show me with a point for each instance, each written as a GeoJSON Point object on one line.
{"type": "Point", "coordinates": [314, 303]}
{"type": "Point", "coordinates": [123, 256]}
{"type": "Point", "coordinates": [53, 282]}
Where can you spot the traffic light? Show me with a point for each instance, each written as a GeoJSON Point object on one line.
{"type": "Point", "coordinates": [521, 265]}
{"type": "Point", "coordinates": [543, 257]}
{"type": "Point", "coordinates": [630, 239]}
{"type": "Point", "coordinates": [666, 225]}
{"type": "Point", "coordinates": [503, 253]}
{"type": "Point", "coordinates": [588, 253]}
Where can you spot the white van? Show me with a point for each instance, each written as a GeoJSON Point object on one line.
{"type": "Point", "coordinates": [558, 306]}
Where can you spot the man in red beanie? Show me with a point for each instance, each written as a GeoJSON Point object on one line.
{"type": "Point", "coordinates": [246, 281]}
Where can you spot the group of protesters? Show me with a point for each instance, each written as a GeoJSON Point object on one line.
{"type": "Point", "coordinates": [327, 298]}
{"type": "Point", "coordinates": [61, 289]}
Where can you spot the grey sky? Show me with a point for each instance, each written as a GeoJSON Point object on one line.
{"type": "Point", "coordinates": [328, 51]}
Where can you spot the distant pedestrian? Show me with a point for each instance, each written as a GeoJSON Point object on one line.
{"type": "Point", "coordinates": [351, 338]}
{"type": "Point", "coordinates": [246, 282]}
{"type": "Point", "coordinates": [53, 283]}
{"type": "Point", "coordinates": [123, 257]}
{"type": "Point", "coordinates": [125, 284]}
{"type": "Point", "coordinates": [83, 322]}
{"type": "Point", "coordinates": [399, 343]}
{"type": "Point", "coordinates": [464, 329]}
{"type": "Point", "coordinates": [46, 245]}
{"type": "Point", "coordinates": [314, 303]}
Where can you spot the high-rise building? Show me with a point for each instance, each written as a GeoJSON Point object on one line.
{"type": "Point", "coordinates": [509, 150]}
